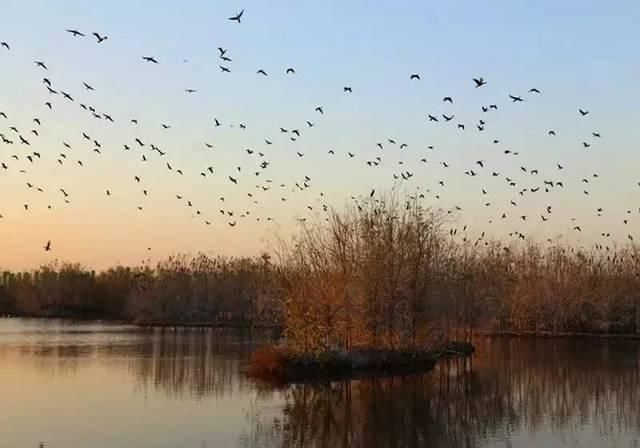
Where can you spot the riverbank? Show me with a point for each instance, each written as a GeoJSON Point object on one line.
{"type": "Point", "coordinates": [559, 335]}
{"type": "Point", "coordinates": [271, 326]}
{"type": "Point", "coordinates": [206, 324]}
{"type": "Point", "coordinates": [152, 323]}
{"type": "Point", "coordinates": [278, 365]}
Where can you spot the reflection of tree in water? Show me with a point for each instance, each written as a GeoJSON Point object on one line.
{"type": "Point", "coordinates": [197, 362]}
{"type": "Point", "coordinates": [178, 362]}
{"type": "Point", "coordinates": [511, 386]}
{"type": "Point", "coordinates": [55, 360]}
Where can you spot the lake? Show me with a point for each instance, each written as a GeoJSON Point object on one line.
{"type": "Point", "coordinates": [108, 386]}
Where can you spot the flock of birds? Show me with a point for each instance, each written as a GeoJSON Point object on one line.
{"type": "Point", "coordinates": [19, 150]}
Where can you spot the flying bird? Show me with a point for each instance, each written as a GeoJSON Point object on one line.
{"type": "Point", "coordinates": [237, 17]}
{"type": "Point", "coordinates": [75, 33]}
{"type": "Point", "coordinates": [479, 82]}
{"type": "Point", "coordinates": [99, 37]}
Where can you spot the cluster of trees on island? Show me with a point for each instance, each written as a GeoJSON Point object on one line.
{"type": "Point", "coordinates": [387, 273]}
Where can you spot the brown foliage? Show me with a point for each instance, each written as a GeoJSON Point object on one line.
{"type": "Point", "coordinates": [386, 273]}
{"type": "Point", "coordinates": [268, 362]}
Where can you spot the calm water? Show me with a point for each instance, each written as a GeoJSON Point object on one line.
{"type": "Point", "coordinates": [110, 386]}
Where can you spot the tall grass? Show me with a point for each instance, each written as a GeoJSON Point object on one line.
{"type": "Point", "coordinates": [390, 273]}
{"type": "Point", "coordinates": [385, 273]}
{"type": "Point", "coordinates": [179, 290]}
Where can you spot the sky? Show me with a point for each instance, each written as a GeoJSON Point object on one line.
{"type": "Point", "coordinates": [579, 54]}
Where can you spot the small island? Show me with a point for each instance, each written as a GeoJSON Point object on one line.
{"type": "Point", "coordinates": [279, 365]}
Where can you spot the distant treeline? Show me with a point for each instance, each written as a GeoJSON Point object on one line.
{"type": "Point", "coordinates": [385, 273]}
{"type": "Point", "coordinates": [180, 290]}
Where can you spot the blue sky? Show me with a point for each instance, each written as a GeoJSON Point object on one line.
{"type": "Point", "coordinates": [580, 54]}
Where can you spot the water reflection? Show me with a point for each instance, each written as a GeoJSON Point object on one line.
{"type": "Point", "coordinates": [199, 363]}
{"type": "Point", "coordinates": [179, 362]}
{"type": "Point", "coordinates": [188, 386]}
{"type": "Point", "coordinates": [514, 392]}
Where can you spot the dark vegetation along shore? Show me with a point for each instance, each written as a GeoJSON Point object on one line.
{"type": "Point", "coordinates": [280, 365]}
{"type": "Point", "coordinates": [386, 275]}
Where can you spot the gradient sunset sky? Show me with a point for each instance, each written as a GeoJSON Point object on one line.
{"type": "Point", "coordinates": [580, 54]}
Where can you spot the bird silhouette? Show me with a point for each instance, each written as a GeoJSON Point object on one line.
{"type": "Point", "coordinates": [75, 33]}
{"type": "Point", "coordinates": [479, 82]}
{"type": "Point", "coordinates": [256, 160]}
{"type": "Point", "coordinates": [237, 17]}
{"type": "Point", "coordinates": [99, 38]}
